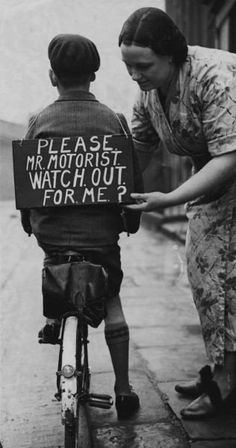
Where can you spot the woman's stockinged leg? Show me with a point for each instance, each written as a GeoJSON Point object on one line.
{"type": "Point", "coordinates": [225, 375]}
{"type": "Point", "coordinates": [117, 339]}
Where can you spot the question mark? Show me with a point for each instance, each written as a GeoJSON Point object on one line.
{"type": "Point", "coordinates": [121, 191]}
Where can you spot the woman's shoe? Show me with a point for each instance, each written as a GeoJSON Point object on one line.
{"type": "Point", "coordinates": [192, 390]}
{"type": "Point", "coordinates": [210, 403]}
{"type": "Point", "coordinates": [199, 409]}
{"type": "Point", "coordinates": [127, 405]}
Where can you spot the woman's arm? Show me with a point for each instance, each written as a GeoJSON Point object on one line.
{"type": "Point", "coordinates": [145, 138]}
{"type": "Point", "coordinates": [214, 174]}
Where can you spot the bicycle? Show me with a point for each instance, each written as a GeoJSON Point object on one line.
{"type": "Point", "coordinates": [73, 373]}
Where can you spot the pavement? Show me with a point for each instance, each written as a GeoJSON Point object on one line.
{"type": "Point", "coordinates": [166, 347]}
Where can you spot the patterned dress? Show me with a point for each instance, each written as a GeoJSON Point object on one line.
{"type": "Point", "coordinates": [198, 120]}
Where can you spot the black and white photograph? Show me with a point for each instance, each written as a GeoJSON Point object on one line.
{"type": "Point", "coordinates": [118, 224]}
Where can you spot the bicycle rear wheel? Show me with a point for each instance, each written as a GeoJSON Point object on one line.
{"type": "Point", "coordinates": [70, 437]}
{"type": "Point", "coordinates": [82, 429]}
{"type": "Point", "coordinates": [76, 433]}
{"type": "Point", "coordinates": [69, 380]}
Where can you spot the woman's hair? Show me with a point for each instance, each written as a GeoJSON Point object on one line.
{"type": "Point", "coordinates": [153, 28]}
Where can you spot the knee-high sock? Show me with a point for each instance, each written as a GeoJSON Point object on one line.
{"type": "Point", "coordinates": [117, 339]}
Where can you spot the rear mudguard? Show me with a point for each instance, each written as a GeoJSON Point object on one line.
{"type": "Point", "coordinates": [69, 385]}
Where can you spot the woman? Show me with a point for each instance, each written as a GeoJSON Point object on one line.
{"type": "Point", "coordinates": [187, 100]}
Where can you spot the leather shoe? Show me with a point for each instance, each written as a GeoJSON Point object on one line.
{"type": "Point", "coordinates": [210, 402]}
{"type": "Point", "coordinates": [49, 334]}
{"type": "Point", "coordinates": [127, 405]}
{"type": "Point", "coordinates": [192, 390]}
{"type": "Point", "coordinates": [205, 406]}
{"type": "Point", "coordinates": [200, 408]}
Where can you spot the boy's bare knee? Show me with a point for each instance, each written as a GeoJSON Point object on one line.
{"type": "Point", "coordinates": [115, 312]}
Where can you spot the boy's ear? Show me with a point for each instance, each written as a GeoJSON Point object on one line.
{"type": "Point", "coordinates": [53, 78]}
{"type": "Point", "coordinates": [93, 77]}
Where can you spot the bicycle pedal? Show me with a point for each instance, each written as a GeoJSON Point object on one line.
{"type": "Point", "coordinates": [43, 341]}
{"type": "Point", "coordinates": [100, 396]}
{"type": "Point", "coordinates": [100, 401]}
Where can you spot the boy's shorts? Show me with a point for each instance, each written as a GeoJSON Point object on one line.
{"type": "Point", "coordinates": [107, 256]}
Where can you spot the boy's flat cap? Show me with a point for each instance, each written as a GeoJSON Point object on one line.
{"type": "Point", "coordinates": [73, 55]}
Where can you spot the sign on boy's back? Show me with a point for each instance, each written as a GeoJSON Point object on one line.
{"type": "Point", "coordinates": [73, 170]}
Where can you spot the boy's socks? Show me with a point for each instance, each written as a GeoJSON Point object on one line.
{"type": "Point", "coordinates": [117, 339]}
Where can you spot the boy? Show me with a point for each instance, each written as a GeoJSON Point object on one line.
{"type": "Point", "coordinates": [90, 230]}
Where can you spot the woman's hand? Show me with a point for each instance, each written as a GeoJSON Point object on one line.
{"type": "Point", "coordinates": [148, 202]}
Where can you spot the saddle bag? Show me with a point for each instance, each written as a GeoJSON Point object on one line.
{"type": "Point", "coordinates": [77, 286]}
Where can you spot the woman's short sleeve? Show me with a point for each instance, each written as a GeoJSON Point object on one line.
{"type": "Point", "coordinates": [218, 104]}
{"type": "Point", "coordinates": [145, 137]}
